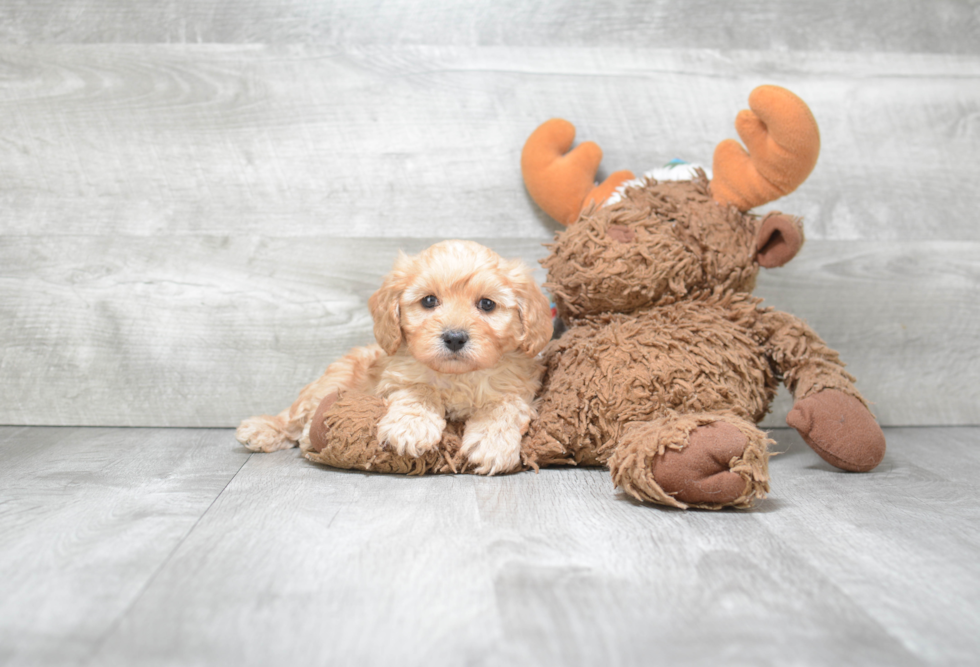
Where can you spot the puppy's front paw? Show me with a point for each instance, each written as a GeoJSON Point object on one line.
{"type": "Point", "coordinates": [412, 432]}
{"type": "Point", "coordinates": [262, 434]}
{"type": "Point", "coordinates": [492, 447]}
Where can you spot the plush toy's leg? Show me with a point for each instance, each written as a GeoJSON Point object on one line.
{"type": "Point", "coordinates": [697, 460]}
{"type": "Point", "coordinates": [344, 434]}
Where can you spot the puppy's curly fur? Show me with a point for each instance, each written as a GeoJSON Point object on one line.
{"type": "Point", "coordinates": [458, 330]}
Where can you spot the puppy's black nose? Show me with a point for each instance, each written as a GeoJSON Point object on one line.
{"type": "Point", "coordinates": [455, 340]}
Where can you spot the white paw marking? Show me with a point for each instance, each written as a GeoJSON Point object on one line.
{"type": "Point", "coordinates": [411, 433]}
{"type": "Point", "coordinates": [492, 447]}
{"type": "Point", "coordinates": [259, 435]}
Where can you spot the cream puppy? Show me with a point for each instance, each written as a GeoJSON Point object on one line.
{"type": "Point", "coordinates": [458, 330]}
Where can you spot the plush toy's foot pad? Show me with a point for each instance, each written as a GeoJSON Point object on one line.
{"type": "Point", "coordinates": [700, 460]}
{"type": "Point", "coordinates": [699, 473]}
{"type": "Point", "coordinates": [840, 429]}
{"type": "Point", "coordinates": [319, 431]}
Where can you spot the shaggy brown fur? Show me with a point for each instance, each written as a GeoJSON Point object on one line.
{"type": "Point", "coordinates": [668, 362]}
{"type": "Point", "coordinates": [345, 435]}
{"type": "Point", "coordinates": [664, 342]}
{"type": "Point", "coordinates": [664, 338]}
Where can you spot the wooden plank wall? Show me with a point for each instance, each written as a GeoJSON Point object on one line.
{"type": "Point", "coordinates": [197, 197]}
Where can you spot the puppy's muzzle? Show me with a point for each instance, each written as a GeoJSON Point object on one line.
{"type": "Point", "coordinates": [455, 340]}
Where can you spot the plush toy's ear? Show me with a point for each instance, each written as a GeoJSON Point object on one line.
{"type": "Point", "coordinates": [385, 310]}
{"type": "Point", "coordinates": [780, 237]}
{"type": "Point", "coordinates": [534, 310]}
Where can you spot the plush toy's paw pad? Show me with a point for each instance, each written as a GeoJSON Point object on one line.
{"type": "Point", "coordinates": [840, 429]}
{"type": "Point", "coordinates": [700, 472]}
{"type": "Point", "coordinates": [262, 434]}
{"type": "Point", "coordinates": [410, 431]}
{"type": "Point", "coordinates": [492, 448]}
{"type": "Point", "coordinates": [319, 433]}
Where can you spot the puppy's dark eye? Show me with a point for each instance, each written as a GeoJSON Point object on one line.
{"type": "Point", "coordinates": [429, 301]}
{"type": "Point", "coordinates": [486, 305]}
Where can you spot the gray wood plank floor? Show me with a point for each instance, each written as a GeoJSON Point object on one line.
{"type": "Point", "coordinates": [177, 547]}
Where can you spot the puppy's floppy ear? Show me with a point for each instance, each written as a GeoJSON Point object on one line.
{"type": "Point", "coordinates": [534, 310]}
{"type": "Point", "coordinates": [384, 307]}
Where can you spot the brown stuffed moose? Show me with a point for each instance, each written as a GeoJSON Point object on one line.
{"type": "Point", "coordinates": [668, 362]}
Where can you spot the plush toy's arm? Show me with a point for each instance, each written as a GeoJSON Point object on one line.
{"type": "Point", "coordinates": [829, 412]}
{"type": "Point", "coordinates": [807, 365]}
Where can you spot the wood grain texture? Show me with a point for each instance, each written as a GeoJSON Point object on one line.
{"type": "Point", "coordinates": [903, 316]}
{"type": "Point", "coordinates": [294, 563]}
{"type": "Point", "coordinates": [87, 519]}
{"type": "Point", "coordinates": [946, 26]}
{"type": "Point", "coordinates": [207, 331]}
{"type": "Point", "coordinates": [198, 196]}
{"type": "Point", "coordinates": [899, 559]}
{"type": "Point", "coordinates": [425, 141]}
{"type": "Point", "coordinates": [183, 330]}
{"type": "Point", "coordinates": [189, 232]}
{"type": "Point", "coordinates": [358, 581]}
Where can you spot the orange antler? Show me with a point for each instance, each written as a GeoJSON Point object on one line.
{"type": "Point", "coordinates": [560, 181]}
{"type": "Point", "coordinates": [783, 144]}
